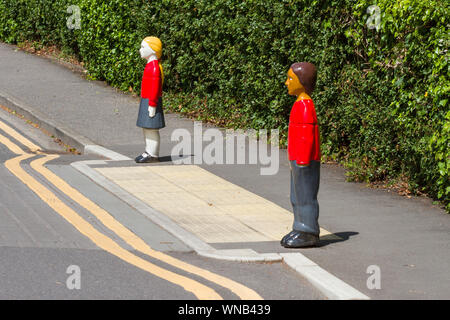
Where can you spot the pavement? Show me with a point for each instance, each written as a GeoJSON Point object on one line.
{"type": "Point", "coordinates": [230, 211]}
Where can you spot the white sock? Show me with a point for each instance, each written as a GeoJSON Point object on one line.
{"type": "Point", "coordinates": [152, 140]}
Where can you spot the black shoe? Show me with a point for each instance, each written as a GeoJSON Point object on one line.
{"type": "Point", "coordinates": [301, 240]}
{"type": "Point", "coordinates": [146, 158]}
{"type": "Point", "coordinates": [283, 241]}
{"type": "Point", "coordinates": [139, 157]}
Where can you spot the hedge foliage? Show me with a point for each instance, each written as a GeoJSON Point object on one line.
{"type": "Point", "coordinates": [381, 96]}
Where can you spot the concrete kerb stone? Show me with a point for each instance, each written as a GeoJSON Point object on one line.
{"type": "Point", "coordinates": [331, 286]}
{"type": "Point", "coordinates": [328, 284]}
{"type": "Point", "coordinates": [99, 150]}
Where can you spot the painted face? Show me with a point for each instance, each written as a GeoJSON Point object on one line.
{"type": "Point", "coordinates": [145, 50]}
{"type": "Point", "coordinates": [293, 84]}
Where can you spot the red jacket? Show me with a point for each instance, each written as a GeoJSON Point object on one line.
{"type": "Point", "coordinates": [151, 87]}
{"type": "Point", "coordinates": [303, 133]}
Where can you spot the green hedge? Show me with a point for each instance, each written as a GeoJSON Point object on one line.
{"type": "Point", "coordinates": [381, 93]}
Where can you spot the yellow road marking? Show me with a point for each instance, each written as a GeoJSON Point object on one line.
{"type": "Point", "coordinates": [13, 165]}
{"type": "Point", "coordinates": [10, 145]}
{"type": "Point", "coordinates": [13, 133]}
{"type": "Point", "coordinates": [136, 242]}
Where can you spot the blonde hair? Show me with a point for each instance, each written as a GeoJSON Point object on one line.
{"type": "Point", "coordinates": [156, 45]}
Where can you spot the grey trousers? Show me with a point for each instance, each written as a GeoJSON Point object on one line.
{"type": "Point", "coordinates": [304, 188]}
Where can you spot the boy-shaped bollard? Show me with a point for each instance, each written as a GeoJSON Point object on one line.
{"type": "Point", "coordinates": [151, 115]}
{"type": "Point", "coordinates": [304, 157]}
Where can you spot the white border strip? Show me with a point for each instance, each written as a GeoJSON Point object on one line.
{"type": "Point", "coordinates": [332, 287]}
{"type": "Point", "coordinates": [104, 152]}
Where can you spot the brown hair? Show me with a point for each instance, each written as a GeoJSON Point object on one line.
{"type": "Point", "coordinates": [307, 74]}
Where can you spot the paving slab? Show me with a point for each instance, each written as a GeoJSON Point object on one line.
{"type": "Point", "coordinates": [210, 207]}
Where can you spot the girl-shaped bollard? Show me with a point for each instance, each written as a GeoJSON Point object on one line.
{"type": "Point", "coordinates": [151, 115]}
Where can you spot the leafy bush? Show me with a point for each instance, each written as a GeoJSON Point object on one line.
{"type": "Point", "coordinates": [381, 96]}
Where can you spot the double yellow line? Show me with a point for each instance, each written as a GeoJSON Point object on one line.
{"type": "Point", "coordinates": [200, 290]}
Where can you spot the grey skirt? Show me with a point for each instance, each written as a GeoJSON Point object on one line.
{"type": "Point", "coordinates": [144, 121]}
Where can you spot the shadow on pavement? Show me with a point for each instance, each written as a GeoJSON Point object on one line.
{"type": "Point", "coordinates": [172, 159]}
{"type": "Point", "coordinates": [336, 237]}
